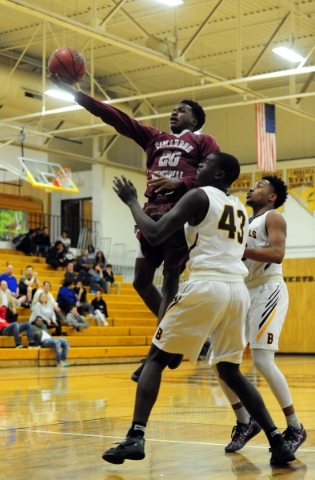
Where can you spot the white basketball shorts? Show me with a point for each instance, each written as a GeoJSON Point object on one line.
{"type": "Point", "coordinates": [205, 308]}
{"type": "Point", "coordinates": [269, 305]}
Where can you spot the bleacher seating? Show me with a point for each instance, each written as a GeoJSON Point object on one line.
{"type": "Point", "coordinates": [126, 339]}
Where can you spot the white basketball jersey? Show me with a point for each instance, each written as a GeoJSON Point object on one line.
{"type": "Point", "coordinates": [217, 244]}
{"type": "Point", "coordinates": [258, 238]}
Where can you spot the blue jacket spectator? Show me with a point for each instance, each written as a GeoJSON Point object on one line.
{"type": "Point", "coordinates": [66, 297]}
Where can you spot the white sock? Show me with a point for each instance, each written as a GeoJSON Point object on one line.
{"type": "Point", "coordinates": [293, 421]}
{"type": "Point", "coordinates": [242, 415]}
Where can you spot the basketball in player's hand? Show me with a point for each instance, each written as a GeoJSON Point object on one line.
{"type": "Point", "coordinates": [68, 63]}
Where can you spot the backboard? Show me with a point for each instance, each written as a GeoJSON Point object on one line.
{"type": "Point", "coordinates": [44, 175]}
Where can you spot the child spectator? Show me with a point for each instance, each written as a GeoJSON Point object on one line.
{"type": "Point", "coordinates": [100, 309]}
{"type": "Point", "coordinates": [75, 320]}
{"type": "Point", "coordinates": [110, 279]}
{"type": "Point", "coordinates": [60, 346]}
{"type": "Point", "coordinates": [80, 292]}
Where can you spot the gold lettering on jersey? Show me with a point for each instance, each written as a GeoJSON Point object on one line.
{"type": "Point", "coordinates": [174, 143]}
{"type": "Point", "coordinates": [252, 233]}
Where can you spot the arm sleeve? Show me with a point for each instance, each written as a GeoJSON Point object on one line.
{"type": "Point", "coordinates": [122, 123]}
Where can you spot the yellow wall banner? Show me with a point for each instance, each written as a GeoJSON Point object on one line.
{"type": "Point", "coordinates": [301, 185]}
{"type": "Point", "coordinates": [240, 188]}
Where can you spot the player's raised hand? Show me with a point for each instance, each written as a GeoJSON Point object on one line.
{"type": "Point", "coordinates": [125, 189]}
{"type": "Point", "coordinates": [160, 182]}
{"type": "Point", "coordinates": [54, 77]}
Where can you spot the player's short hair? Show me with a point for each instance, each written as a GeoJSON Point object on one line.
{"type": "Point", "coordinates": [279, 188]}
{"type": "Point", "coordinates": [198, 113]}
{"type": "Point", "coordinates": [230, 165]}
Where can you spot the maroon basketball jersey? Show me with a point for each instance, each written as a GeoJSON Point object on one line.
{"type": "Point", "coordinates": [172, 155]}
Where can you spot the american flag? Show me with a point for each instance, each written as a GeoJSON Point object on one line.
{"type": "Point", "coordinates": [266, 137]}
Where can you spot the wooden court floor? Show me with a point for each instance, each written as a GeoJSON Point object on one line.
{"type": "Point", "coordinates": [56, 423]}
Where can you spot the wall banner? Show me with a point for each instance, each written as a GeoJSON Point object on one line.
{"type": "Point", "coordinates": [12, 223]}
{"type": "Point", "coordinates": [301, 185]}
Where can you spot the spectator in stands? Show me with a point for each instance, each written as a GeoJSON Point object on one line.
{"type": "Point", "coordinates": [56, 256]}
{"type": "Point", "coordinates": [45, 310]}
{"type": "Point", "coordinates": [28, 284]}
{"type": "Point", "coordinates": [66, 297]}
{"type": "Point", "coordinates": [97, 280]}
{"type": "Point", "coordinates": [50, 299]}
{"type": "Point", "coordinates": [83, 266]}
{"type": "Point", "coordinates": [27, 245]}
{"type": "Point", "coordinates": [43, 243]}
{"type": "Point", "coordinates": [80, 292]}
{"type": "Point", "coordinates": [60, 346]}
{"type": "Point", "coordinates": [110, 279]}
{"type": "Point", "coordinates": [91, 254]}
{"type": "Point", "coordinates": [70, 274]}
{"type": "Point", "coordinates": [15, 329]}
{"type": "Point", "coordinates": [100, 309]}
{"type": "Point", "coordinates": [64, 239]}
{"type": "Point", "coordinates": [8, 304]}
{"type": "Point", "coordinates": [74, 319]}
{"type": "Point", "coordinates": [13, 285]}
{"type": "Point", "coordinates": [100, 259]}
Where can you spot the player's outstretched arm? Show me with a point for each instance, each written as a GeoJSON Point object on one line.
{"type": "Point", "coordinates": [54, 77]}
{"type": "Point", "coordinates": [192, 206]}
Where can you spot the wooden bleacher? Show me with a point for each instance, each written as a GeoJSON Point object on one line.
{"type": "Point", "coordinates": [126, 339]}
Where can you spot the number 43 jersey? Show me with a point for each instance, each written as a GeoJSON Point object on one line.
{"type": "Point", "coordinates": [217, 244]}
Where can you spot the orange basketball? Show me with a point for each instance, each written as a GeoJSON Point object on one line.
{"type": "Point", "coordinates": [68, 63]}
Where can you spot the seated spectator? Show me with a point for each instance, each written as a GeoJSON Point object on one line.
{"type": "Point", "coordinates": [27, 245]}
{"type": "Point", "coordinates": [66, 297]}
{"type": "Point", "coordinates": [80, 292]}
{"type": "Point", "coordinates": [100, 309]}
{"type": "Point", "coordinates": [64, 239]}
{"type": "Point", "coordinates": [69, 255]}
{"type": "Point", "coordinates": [15, 329]}
{"type": "Point", "coordinates": [97, 280]}
{"type": "Point", "coordinates": [8, 304]}
{"type": "Point", "coordinates": [110, 279]}
{"type": "Point", "coordinates": [74, 319]}
{"type": "Point", "coordinates": [83, 266]}
{"type": "Point", "coordinates": [91, 254]}
{"type": "Point", "coordinates": [28, 284]}
{"type": "Point", "coordinates": [42, 242]}
{"type": "Point", "coordinates": [100, 259]}
{"type": "Point", "coordinates": [70, 274]}
{"type": "Point", "coordinates": [60, 346]}
{"type": "Point", "coordinates": [13, 285]}
{"type": "Point", "coordinates": [56, 256]}
{"type": "Point", "coordinates": [45, 310]}
{"type": "Point", "coordinates": [50, 299]}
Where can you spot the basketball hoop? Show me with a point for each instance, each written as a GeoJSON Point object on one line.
{"type": "Point", "coordinates": [62, 177]}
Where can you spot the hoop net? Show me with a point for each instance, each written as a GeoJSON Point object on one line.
{"type": "Point", "coordinates": [62, 177]}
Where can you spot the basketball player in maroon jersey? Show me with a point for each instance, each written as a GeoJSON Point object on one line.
{"type": "Point", "coordinates": [172, 162]}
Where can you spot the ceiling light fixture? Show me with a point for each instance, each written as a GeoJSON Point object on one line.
{"type": "Point", "coordinates": [288, 54]}
{"type": "Point", "coordinates": [171, 3]}
{"type": "Point", "coordinates": [60, 95]}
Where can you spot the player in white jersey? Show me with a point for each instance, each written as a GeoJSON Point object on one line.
{"type": "Point", "coordinates": [214, 301]}
{"type": "Point", "coordinates": [264, 253]}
